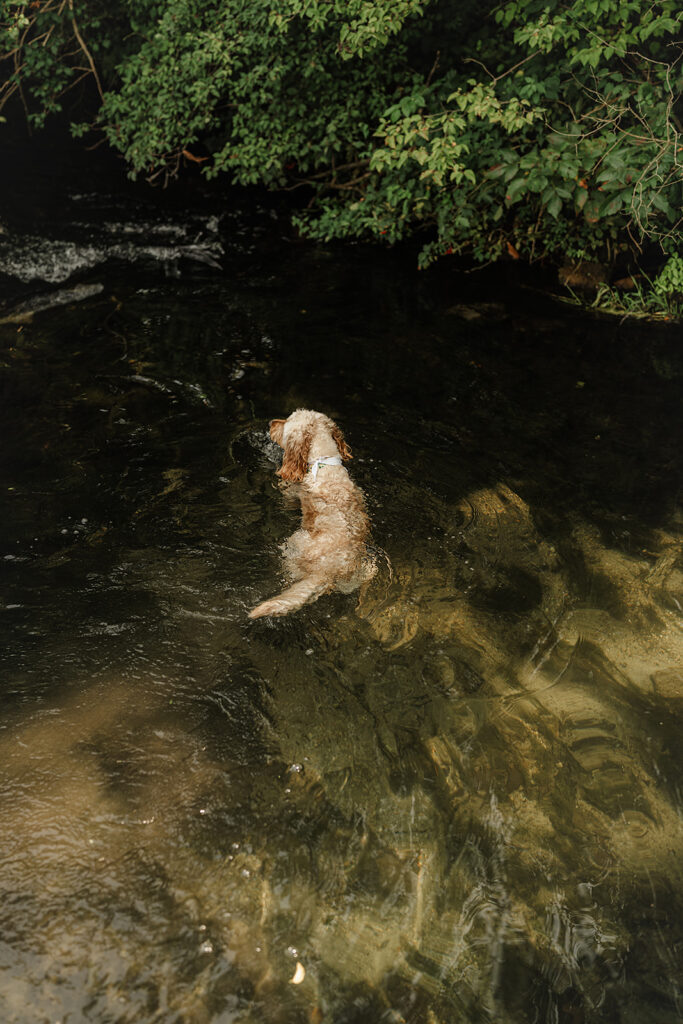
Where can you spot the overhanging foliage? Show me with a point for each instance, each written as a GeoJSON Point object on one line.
{"type": "Point", "coordinates": [521, 128]}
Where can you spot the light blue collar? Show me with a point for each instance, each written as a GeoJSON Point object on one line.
{"type": "Point", "coordinates": [329, 460]}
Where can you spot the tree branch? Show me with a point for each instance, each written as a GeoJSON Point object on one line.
{"type": "Point", "coordinates": [85, 49]}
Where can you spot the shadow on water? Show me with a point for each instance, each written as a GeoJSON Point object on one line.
{"type": "Point", "coordinates": [454, 799]}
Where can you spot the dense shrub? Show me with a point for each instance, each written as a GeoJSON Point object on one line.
{"type": "Point", "coordinates": [520, 128]}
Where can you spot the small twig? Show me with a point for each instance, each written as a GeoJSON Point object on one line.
{"type": "Point", "coordinates": [497, 78]}
{"type": "Point", "coordinates": [85, 49]}
{"type": "Point", "coordinates": [340, 167]}
{"type": "Point", "coordinates": [535, 234]}
{"type": "Point", "coordinates": [72, 85]}
{"type": "Point", "coordinates": [433, 71]}
{"type": "Point", "coordinates": [300, 184]}
{"type": "Point", "coordinates": [17, 69]}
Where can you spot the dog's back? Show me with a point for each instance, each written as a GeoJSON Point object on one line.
{"type": "Point", "coordinates": [329, 552]}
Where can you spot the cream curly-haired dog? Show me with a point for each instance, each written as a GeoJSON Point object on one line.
{"type": "Point", "coordinates": [329, 551]}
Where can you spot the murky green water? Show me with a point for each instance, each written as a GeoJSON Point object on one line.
{"type": "Point", "coordinates": [458, 800]}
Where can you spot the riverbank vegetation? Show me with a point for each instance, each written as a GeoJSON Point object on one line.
{"type": "Point", "coordinates": [517, 130]}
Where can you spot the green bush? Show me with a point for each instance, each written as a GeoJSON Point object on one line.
{"type": "Point", "coordinates": [522, 129]}
{"type": "Point", "coordinates": [669, 281]}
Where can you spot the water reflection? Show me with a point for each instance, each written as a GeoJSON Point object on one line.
{"type": "Point", "coordinates": [455, 799]}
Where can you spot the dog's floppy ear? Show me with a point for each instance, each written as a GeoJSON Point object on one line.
{"type": "Point", "coordinates": [275, 430]}
{"type": "Point", "coordinates": [295, 460]}
{"type": "Point", "coordinates": [341, 444]}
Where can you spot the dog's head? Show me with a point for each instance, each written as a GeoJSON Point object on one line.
{"type": "Point", "coordinates": [297, 434]}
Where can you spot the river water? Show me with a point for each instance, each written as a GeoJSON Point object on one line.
{"type": "Point", "coordinates": [455, 798]}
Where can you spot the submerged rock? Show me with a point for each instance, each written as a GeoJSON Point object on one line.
{"type": "Point", "coordinates": [25, 311]}
{"type": "Point", "coordinates": [585, 275]}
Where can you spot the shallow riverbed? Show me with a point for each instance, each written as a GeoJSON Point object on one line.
{"type": "Point", "coordinates": [457, 799]}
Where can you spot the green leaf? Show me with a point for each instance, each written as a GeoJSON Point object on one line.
{"type": "Point", "coordinates": [612, 206]}
{"type": "Point", "coordinates": [660, 202]}
{"type": "Point", "coordinates": [515, 190]}
{"type": "Point", "coordinates": [554, 207]}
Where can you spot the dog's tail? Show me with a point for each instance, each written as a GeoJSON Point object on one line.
{"type": "Point", "coordinates": [300, 593]}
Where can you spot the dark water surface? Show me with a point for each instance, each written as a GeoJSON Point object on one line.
{"type": "Point", "coordinates": [455, 800]}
